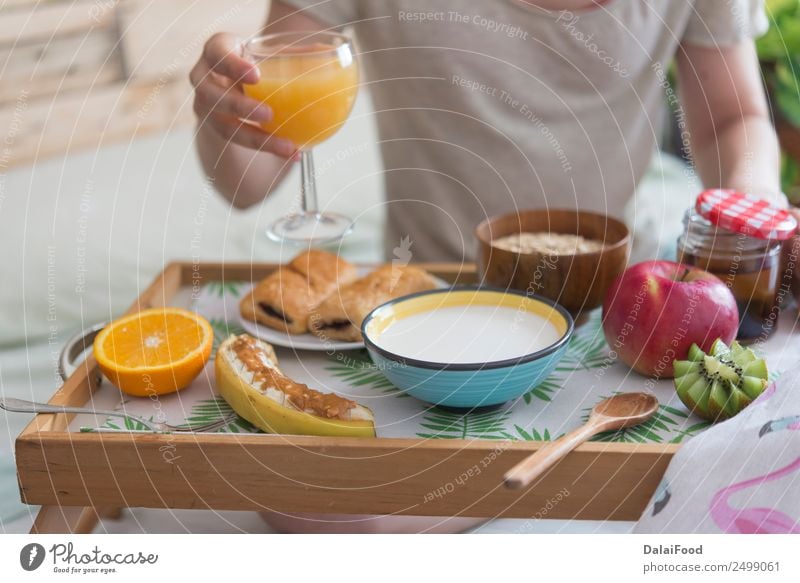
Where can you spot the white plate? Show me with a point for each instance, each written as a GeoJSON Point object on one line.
{"type": "Point", "coordinates": [306, 341]}
{"type": "Point", "coordinates": [295, 341]}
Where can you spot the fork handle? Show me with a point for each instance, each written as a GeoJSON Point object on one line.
{"type": "Point", "coordinates": [22, 406]}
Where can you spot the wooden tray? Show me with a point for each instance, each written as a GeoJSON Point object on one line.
{"type": "Point", "coordinates": [77, 474]}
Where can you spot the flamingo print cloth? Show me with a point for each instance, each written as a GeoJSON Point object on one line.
{"type": "Point", "coordinates": [740, 476]}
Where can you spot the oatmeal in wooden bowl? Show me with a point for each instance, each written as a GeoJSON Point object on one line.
{"type": "Point", "coordinates": [568, 256]}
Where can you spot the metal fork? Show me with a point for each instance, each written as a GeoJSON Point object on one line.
{"type": "Point", "coordinates": [21, 406]}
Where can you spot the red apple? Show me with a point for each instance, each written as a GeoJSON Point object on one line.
{"type": "Point", "coordinates": [655, 310]}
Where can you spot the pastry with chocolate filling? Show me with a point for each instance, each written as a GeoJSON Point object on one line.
{"type": "Point", "coordinates": [339, 317]}
{"type": "Point", "coordinates": [285, 298]}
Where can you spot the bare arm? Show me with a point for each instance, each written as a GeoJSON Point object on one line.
{"type": "Point", "coordinates": [244, 162]}
{"type": "Point", "coordinates": [732, 139]}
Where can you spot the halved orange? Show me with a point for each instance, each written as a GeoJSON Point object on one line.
{"type": "Point", "coordinates": [154, 352]}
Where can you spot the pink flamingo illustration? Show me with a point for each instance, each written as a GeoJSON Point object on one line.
{"type": "Point", "coordinates": [768, 392]}
{"type": "Point", "coordinates": [753, 520]}
{"type": "Point", "coordinates": [790, 423]}
{"type": "Point", "coordinates": [661, 497]}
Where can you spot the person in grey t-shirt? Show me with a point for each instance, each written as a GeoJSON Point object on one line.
{"type": "Point", "coordinates": [487, 107]}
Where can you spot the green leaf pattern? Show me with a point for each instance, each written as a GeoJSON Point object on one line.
{"type": "Point", "coordinates": [357, 370]}
{"type": "Point", "coordinates": [440, 423]}
{"type": "Point", "coordinates": [544, 390]}
{"type": "Point", "coordinates": [125, 424]}
{"type": "Point", "coordinates": [544, 412]}
{"type": "Point", "coordinates": [665, 421]}
{"type": "Point", "coordinates": [533, 434]}
{"type": "Point", "coordinates": [223, 288]}
{"type": "Point", "coordinates": [210, 410]}
{"type": "Point", "coordinates": [587, 350]}
{"type": "Point", "coordinates": [223, 329]}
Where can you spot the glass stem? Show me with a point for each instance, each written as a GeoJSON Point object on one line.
{"type": "Point", "coordinates": [308, 184]}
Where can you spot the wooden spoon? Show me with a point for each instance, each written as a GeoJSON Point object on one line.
{"type": "Point", "coordinates": [617, 412]}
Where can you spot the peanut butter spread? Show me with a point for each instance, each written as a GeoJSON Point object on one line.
{"type": "Point", "coordinates": [266, 374]}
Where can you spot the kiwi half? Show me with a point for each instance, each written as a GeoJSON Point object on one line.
{"type": "Point", "coordinates": [718, 385]}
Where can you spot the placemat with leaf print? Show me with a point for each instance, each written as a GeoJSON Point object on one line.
{"type": "Point", "coordinates": [586, 375]}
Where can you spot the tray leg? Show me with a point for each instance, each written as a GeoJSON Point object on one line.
{"type": "Point", "coordinates": [109, 512]}
{"type": "Point", "coordinates": [64, 520]}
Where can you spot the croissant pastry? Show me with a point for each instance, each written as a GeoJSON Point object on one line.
{"type": "Point", "coordinates": [339, 317]}
{"type": "Point", "coordinates": [285, 299]}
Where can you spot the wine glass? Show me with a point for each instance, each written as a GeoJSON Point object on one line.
{"type": "Point", "coordinates": [310, 81]}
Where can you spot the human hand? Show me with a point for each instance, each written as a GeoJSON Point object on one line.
{"type": "Point", "coordinates": [220, 104]}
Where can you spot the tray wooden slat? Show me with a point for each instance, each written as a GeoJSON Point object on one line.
{"type": "Point", "coordinates": [311, 474]}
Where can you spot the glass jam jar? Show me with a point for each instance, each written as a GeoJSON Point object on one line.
{"type": "Point", "coordinates": [749, 266]}
{"type": "Point", "coordinates": [791, 264]}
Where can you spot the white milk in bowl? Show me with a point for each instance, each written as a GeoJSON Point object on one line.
{"type": "Point", "coordinates": [468, 334]}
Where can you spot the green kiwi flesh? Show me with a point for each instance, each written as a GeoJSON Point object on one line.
{"type": "Point", "coordinates": [720, 384]}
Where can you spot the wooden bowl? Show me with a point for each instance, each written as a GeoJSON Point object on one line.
{"type": "Point", "coordinates": [578, 282]}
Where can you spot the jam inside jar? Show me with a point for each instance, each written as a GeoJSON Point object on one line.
{"type": "Point", "coordinates": [750, 267]}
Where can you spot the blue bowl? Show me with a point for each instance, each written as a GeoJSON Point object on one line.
{"type": "Point", "coordinates": [467, 384]}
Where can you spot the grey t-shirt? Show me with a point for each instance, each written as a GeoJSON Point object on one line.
{"type": "Point", "coordinates": [487, 107]}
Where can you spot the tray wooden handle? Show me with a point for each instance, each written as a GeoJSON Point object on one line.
{"type": "Point", "coordinates": [75, 348]}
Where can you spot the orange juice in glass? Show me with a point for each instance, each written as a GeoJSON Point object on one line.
{"type": "Point", "coordinates": [309, 81]}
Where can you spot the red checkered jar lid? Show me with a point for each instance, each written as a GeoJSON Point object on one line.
{"type": "Point", "coordinates": [745, 214]}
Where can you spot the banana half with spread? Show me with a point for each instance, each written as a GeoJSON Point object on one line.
{"type": "Point", "coordinates": [249, 379]}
